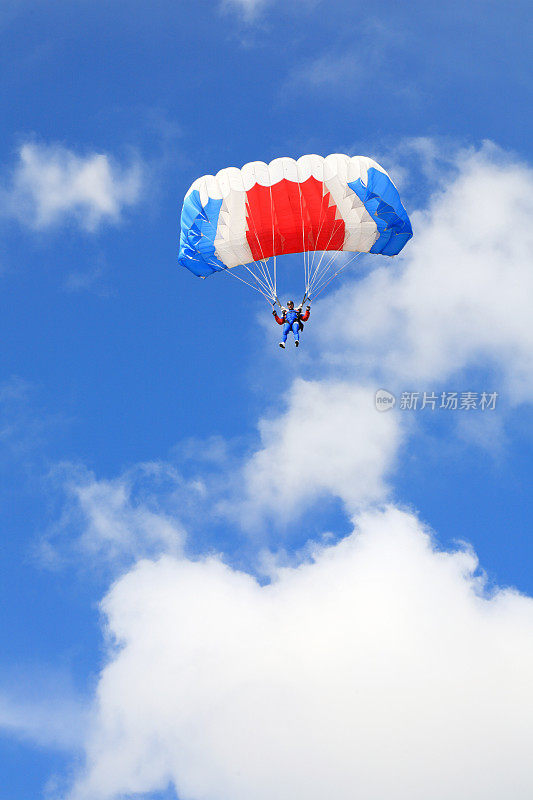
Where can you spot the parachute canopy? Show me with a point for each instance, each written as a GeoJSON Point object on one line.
{"type": "Point", "coordinates": [244, 217]}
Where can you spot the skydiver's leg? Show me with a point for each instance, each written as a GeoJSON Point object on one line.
{"type": "Point", "coordinates": [286, 329]}
{"type": "Point", "coordinates": [296, 330]}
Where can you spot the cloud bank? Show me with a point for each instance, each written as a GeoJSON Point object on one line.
{"type": "Point", "coordinates": [380, 669]}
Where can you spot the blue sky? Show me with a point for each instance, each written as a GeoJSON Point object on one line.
{"type": "Point", "coordinates": [146, 412]}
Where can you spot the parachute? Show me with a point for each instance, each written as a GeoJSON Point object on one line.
{"type": "Point", "coordinates": [241, 220]}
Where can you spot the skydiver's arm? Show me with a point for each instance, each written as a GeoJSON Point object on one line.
{"type": "Point", "coordinates": [279, 320]}
{"type": "Point", "coordinates": [305, 316]}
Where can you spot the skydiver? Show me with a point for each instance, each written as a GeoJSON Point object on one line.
{"type": "Point", "coordinates": [292, 320]}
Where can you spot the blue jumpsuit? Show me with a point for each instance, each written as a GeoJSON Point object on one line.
{"type": "Point", "coordinates": [292, 324]}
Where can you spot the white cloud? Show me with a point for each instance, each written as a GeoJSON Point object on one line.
{"type": "Point", "coordinates": [329, 441]}
{"type": "Point", "coordinates": [51, 185]}
{"type": "Point", "coordinates": [381, 669]}
{"type": "Point", "coordinates": [459, 296]}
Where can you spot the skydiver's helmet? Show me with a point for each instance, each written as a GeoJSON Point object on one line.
{"type": "Point", "coordinates": [290, 305]}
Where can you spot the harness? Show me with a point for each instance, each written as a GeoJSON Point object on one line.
{"type": "Point", "coordinates": [292, 316]}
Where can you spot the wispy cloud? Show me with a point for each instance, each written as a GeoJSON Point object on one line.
{"type": "Point", "coordinates": [118, 521]}
{"type": "Point", "coordinates": [51, 185]}
{"type": "Point", "coordinates": [90, 280]}
{"type": "Point", "coordinates": [353, 69]}
{"type": "Point", "coordinates": [42, 707]}
{"type": "Point", "coordinates": [24, 427]}
{"type": "Point", "coordinates": [247, 8]}
{"type": "Point", "coordinates": [325, 72]}
{"type": "Point", "coordinates": [252, 12]}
